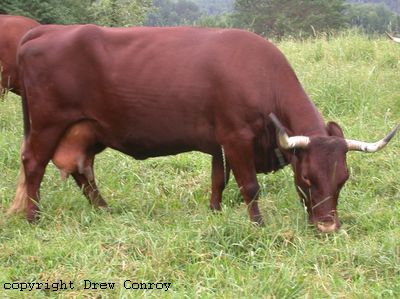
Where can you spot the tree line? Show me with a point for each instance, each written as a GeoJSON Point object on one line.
{"type": "Point", "coordinates": [392, 4]}
{"type": "Point", "coordinates": [276, 18]}
{"type": "Point", "coordinates": [101, 12]}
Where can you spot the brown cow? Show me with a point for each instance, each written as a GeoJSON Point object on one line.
{"type": "Point", "coordinates": [160, 91]}
{"type": "Point", "coordinates": [12, 28]}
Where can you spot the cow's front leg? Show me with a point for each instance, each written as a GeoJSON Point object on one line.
{"type": "Point", "coordinates": [89, 189]}
{"type": "Point", "coordinates": [240, 156]}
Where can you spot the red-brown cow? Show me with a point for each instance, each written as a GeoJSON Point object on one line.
{"type": "Point", "coordinates": [160, 91]}
{"type": "Point", "coordinates": [12, 28]}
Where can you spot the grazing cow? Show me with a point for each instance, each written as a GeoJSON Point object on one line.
{"type": "Point", "coordinates": [12, 28]}
{"type": "Point", "coordinates": [160, 91]}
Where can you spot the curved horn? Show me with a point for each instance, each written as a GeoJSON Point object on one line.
{"type": "Point", "coordinates": [285, 141]}
{"type": "Point", "coordinates": [355, 145]}
{"type": "Point", "coordinates": [396, 39]}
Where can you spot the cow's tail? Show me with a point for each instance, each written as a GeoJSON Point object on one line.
{"type": "Point", "coordinates": [21, 198]}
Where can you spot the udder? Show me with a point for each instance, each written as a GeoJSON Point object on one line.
{"type": "Point", "coordinates": [75, 152]}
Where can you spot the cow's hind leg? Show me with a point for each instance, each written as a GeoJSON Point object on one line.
{"type": "Point", "coordinates": [219, 179]}
{"type": "Point", "coordinates": [240, 156]}
{"type": "Point", "coordinates": [36, 151]}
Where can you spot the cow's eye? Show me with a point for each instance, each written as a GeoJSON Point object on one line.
{"type": "Point", "coordinates": [306, 180]}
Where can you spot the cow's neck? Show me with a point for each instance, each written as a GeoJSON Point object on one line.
{"type": "Point", "coordinates": [300, 116]}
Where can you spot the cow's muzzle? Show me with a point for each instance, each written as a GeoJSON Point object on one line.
{"type": "Point", "coordinates": [328, 227]}
{"type": "Point", "coordinates": [328, 224]}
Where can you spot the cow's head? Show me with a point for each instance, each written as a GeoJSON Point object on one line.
{"type": "Point", "coordinates": [320, 169]}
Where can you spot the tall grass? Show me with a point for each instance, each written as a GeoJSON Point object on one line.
{"type": "Point", "coordinates": [159, 228]}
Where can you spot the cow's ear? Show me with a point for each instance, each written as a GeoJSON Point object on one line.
{"type": "Point", "coordinates": [334, 129]}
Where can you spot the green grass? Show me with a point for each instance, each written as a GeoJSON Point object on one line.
{"type": "Point", "coordinates": [159, 228]}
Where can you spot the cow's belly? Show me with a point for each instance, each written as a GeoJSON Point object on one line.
{"type": "Point", "coordinates": [146, 148]}
{"type": "Point", "coordinates": [155, 139]}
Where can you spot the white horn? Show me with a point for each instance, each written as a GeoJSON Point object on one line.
{"type": "Point", "coordinates": [393, 38]}
{"type": "Point", "coordinates": [285, 141]}
{"type": "Point", "coordinates": [355, 145]}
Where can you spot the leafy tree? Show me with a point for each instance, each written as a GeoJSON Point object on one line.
{"type": "Point", "coordinates": [119, 13]}
{"type": "Point", "coordinates": [50, 11]}
{"type": "Point", "coordinates": [168, 13]}
{"type": "Point", "coordinates": [101, 12]}
{"type": "Point", "coordinates": [373, 18]}
{"type": "Point", "coordinates": [391, 4]}
{"type": "Point", "coordinates": [281, 17]}
{"type": "Point", "coordinates": [217, 21]}
{"type": "Point", "coordinates": [215, 7]}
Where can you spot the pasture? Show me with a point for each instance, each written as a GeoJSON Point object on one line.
{"type": "Point", "coordinates": [159, 229]}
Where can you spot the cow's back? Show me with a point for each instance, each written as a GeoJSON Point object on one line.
{"type": "Point", "coordinates": [153, 91]}
{"type": "Point", "coordinates": [12, 28]}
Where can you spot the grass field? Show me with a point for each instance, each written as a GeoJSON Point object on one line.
{"type": "Point", "coordinates": [159, 228]}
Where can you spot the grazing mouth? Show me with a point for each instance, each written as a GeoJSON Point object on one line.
{"type": "Point", "coordinates": [326, 224]}
{"type": "Point", "coordinates": [328, 227]}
